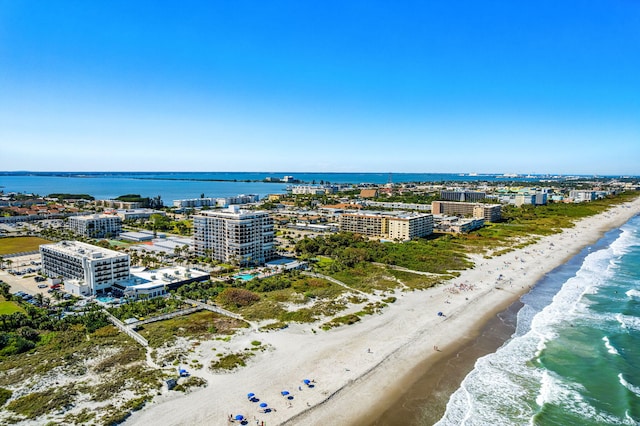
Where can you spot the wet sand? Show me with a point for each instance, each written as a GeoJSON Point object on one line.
{"type": "Point", "coordinates": [424, 401]}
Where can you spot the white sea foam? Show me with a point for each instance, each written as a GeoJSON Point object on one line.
{"type": "Point", "coordinates": [628, 322]}
{"type": "Point", "coordinates": [544, 395]}
{"type": "Point", "coordinates": [632, 388]}
{"type": "Point", "coordinates": [609, 346]}
{"type": "Point", "coordinates": [633, 293]}
{"type": "Point", "coordinates": [509, 386]}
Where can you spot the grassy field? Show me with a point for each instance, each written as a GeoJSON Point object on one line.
{"type": "Point", "coordinates": [20, 244]}
{"type": "Point", "coordinates": [7, 308]}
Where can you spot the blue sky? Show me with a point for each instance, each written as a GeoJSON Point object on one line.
{"type": "Point", "coordinates": [426, 86]}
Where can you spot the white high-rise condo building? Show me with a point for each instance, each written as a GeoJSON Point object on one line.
{"type": "Point", "coordinates": [90, 269]}
{"type": "Point", "coordinates": [239, 237]}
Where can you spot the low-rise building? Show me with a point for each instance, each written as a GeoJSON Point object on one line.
{"type": "Point", "coordinates": [157, 282]}
{"type": "Point", "coordinates": [456, 225]}
{"type": "Point", "coordinates": [132, 214]}
{"type": "Point", "coordinates": [117, 204]}
{"type": "Point", "coordinates": [488, 212]}
{"type": "Point", "coordinates": [96, 225]}
{"type": "Point", "coordinates": [582, 196]}
{"type": "Point", "coordinates": [368, 193]}
{"type": "Point", "coordinates": [216, 202]}
{"type": "Point", "coordinates": [535, 199]}
{"type": "Point", "coordinates": [462, 196]}
{"type": "Point", "coordinates": [313, 189]}
{"type": "Point", "coordinates": [397, 205]}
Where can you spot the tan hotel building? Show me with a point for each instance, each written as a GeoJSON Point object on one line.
{"type": "Point", "coordinates": [402, 227]}
{"type": "Point", "coordinates": [488, 212]}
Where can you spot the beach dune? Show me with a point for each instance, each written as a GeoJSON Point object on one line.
{"type": "Point", "coordinates": [361, 369]}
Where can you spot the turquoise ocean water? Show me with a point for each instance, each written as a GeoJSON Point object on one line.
{"type": "Point", "coordinates": [575, 356]}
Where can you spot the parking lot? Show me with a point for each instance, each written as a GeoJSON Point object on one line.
{"type": "Point", "coordinates": [24, 282]}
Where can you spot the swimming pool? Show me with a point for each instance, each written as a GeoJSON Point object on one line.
{"type": "Point", "coordinates": [105, 299]}
{"type": "Point", "coordinates": [245, 277]}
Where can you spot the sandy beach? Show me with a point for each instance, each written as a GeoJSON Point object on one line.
{"type": "Point", "coordinates": [361, 369]}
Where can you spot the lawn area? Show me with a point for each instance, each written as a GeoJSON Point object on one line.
{"type": "Point", "coordinates": [118, 243]}
{"type": "Point", "coordinates": [20, 244]}
{"type": "Point", "coordinates": [8, 307]}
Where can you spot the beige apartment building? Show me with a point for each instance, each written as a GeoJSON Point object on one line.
{"type": "Point", "coordinates": [410, 226]}
{"type": "Point", "coordinates": [370, 224]}
{"type": "Point", "coordinates": [488, 212]}
{"type": "Point", "coordinates": [401, 227]}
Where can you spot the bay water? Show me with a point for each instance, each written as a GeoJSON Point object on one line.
{"type": "Point", "coordinates": [182, 185]}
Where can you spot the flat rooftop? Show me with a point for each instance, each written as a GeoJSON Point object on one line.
{"type": "Point", "coordinates": [79, 249]}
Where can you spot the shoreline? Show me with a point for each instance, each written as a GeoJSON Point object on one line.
{"type": "Point", "coordinates": [363, 369]}
{"type": "Point", "coordinates": [437, 379]}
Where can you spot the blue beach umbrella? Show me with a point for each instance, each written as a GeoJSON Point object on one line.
{"type": "Point", "coordinates": [239, 417]}
{"type": "Point", "coordinates": [285, 393]}
{"type": "Point", "coordinates": [306, 381]}
{"type": "Point", "coordinates": [251, 395]}
{"type": "Point", "coordinates": [263, 404]}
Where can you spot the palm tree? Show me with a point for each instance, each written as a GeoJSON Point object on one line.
{"type": "Point", "coordinates": [39, 297]}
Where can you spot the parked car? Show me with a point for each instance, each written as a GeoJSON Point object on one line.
{"type": "Point", "coordinates": [42, 286]}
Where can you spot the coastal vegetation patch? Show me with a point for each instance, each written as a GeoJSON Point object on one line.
{"type": "Point", "coordinates": [146, 308]}
{"type": "Point", "coordinates": [439, 255]}
{"type": "Point", "coordinates": [414, 281]}
{"type": "Point", "coordinates": [188, 383]}
{"type": "Point", "coordinates": [36, 404]}
{"type": "Point", "coordinates": [199, 325]}
{"type": "Point", "coordinates": [339, 321]}
{"type": "Point", "coordinates": [38, 346]}
{"type": "Point", "coordinates": [230, 361]}
{"type": "Point", "coordinates": [65, 196]}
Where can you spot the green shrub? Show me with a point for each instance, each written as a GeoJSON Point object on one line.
{"type": "Point", "coordinates": [5, 394]}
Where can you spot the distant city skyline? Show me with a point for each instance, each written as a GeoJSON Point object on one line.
{"type": "Point", "coordinates": [436, 87]}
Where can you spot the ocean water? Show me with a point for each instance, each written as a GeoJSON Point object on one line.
{"type": "Point", "coordinates": [575, 356]}
{"type": "Point", "coordinates": [180, 185]}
